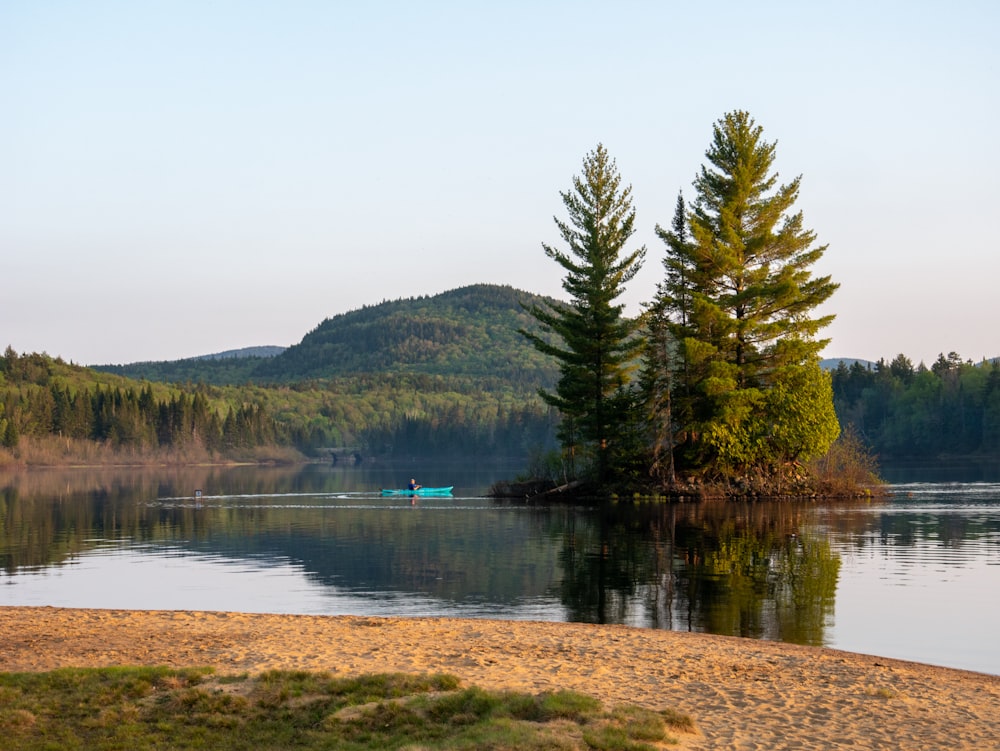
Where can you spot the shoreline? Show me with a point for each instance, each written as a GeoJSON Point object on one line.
{"type": "Point", "coordinates": [741, 693]}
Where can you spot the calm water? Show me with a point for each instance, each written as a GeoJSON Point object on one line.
{"type": "Point", "coordinates": [914, 577]}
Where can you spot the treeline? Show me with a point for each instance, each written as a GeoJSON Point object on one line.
{"type": "Point", "coordinates": [38, 403]}
{"type": "Point", "coordinates": [718, 384]}
{"type": "Point", "coordinates": [951, 408]}
{"type": "Point", "coordinates": [459, 432]}
{"type": "Point", "coordinates": [190, 370]}
{"type": "Point", "coordinates": [413, 415]}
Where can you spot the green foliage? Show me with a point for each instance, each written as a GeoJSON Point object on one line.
{"type": "Point", "coordinates": [153, 708]}
{"type": "Point", "coordinates": [902, 412]}
{"type": "Point", "coordinates": [752, 257]}
{"type": "Point", "coordinates": [190, 370]}
{"type": "Point", "coordinates": [392, 415]}
{"type": "Point", "coordinates": [436, 376]}
{"type": "Point", "coordinates": [768, 433]}
{"type": "Point", "coordinates": [465, 332]}
{"type": "Point", "coordinates": [43, 398]}
{"type": "Point", "coordinates": [470, 332]}
{"type": "Point", "coordinates": [732, 375]}
{"type": "Point", "coordinates": [798, 417]}
{"type": "Point", "coordinates": [596, 344]}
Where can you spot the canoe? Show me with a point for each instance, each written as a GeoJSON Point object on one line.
{"type": "Point", "coordinates": [418, 491]}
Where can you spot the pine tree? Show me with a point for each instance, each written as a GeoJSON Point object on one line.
{"type": "Point", "coordinates": [662, 367]}
{"type": "Point", "coordinates": [739, 298]}
{"type": "Point", "coordinates": [596, 344]}
{"type": "Point", "coordinates": [675, 290]}
{"type": "Point", "coordinates": [755, 289]}
{"type": "Point", "coordinates": [9, 436]}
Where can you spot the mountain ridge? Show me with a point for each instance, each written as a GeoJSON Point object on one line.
{"type": "Point", "coordinates": [470, 331]}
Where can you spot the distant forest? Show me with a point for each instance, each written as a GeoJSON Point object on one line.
{"type": "Point", "coordinates": [444, 376]}
{"type": "Point", "coordinates": [433, 376]}
{"type": "Point", "coordinates": [468, 332]}
{"type": "Point", "coordinates": [389, 416]}
{"type": "Point", "coordinates": [951, 409]}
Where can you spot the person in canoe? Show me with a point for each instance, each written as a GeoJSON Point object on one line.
{"type": "Point", "coordinates": [413, 485]}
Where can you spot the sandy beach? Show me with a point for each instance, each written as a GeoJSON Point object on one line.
{"type": "Point", "coordinates": [742, 694]}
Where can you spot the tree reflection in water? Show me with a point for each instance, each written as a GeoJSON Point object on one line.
{"type": "Point", "coordinates": [742, 569]}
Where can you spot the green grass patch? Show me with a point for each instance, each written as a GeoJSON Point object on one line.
{"type": "Point", "coordinates": [148, 709]}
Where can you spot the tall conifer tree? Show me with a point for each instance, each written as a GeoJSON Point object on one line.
{"type": "Point", "coordinates": [740, 298]}
{"type": "Point", "coordinates": [596, 344]}
{"type": "Point", "coordinates": [756, 291]}
{"type": "Point", "coordinates": [666, 317]}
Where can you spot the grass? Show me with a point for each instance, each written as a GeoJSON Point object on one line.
{"type": "Point", "coordinates": [147, 709]}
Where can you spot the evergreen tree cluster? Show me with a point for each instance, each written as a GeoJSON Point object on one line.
{"type": "Point", "coordinates": [434, 376]}
{"type": "Point", "coordinates": [730, 386]}
{"type": "Point", "coordinates": [906, 412]}
{"type": "Point", "coordinates": [456, 431]}
{"type": "Point", "coordinates": [411, 415]}
{"type": "Point", "coordinates": [37, 402]}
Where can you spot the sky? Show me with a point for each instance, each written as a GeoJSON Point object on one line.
{"type": "Point", "coordinates": [186, 177]}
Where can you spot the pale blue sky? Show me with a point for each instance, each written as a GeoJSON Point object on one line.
{"type": "Point", "coordinates": [179, 178]}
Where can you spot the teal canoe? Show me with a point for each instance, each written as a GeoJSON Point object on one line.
{"type": "Point", "coordinates": [419, 491]}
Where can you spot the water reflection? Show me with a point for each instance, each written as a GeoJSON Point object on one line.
{"type": "Point", "coordinates": [749, 570]}
{"type": "Point", "coordinates": [47, 516]}
{"type": "Point", "coordinates": [739, 569]}
{"type": "Point", "coordinates": [886, 578]}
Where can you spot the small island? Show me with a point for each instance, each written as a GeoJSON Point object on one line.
{"type": "Point", "coordinates": [717, 389]}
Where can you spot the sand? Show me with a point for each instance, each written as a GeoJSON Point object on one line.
{"type": "Point", "coordinates": [741, 693]}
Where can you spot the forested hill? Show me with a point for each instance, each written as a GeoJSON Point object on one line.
{"type": "Point", "coordinates": [470, 331]}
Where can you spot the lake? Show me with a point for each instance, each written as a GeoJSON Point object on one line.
{"type": "Point", "coordinates": [913, 577]}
